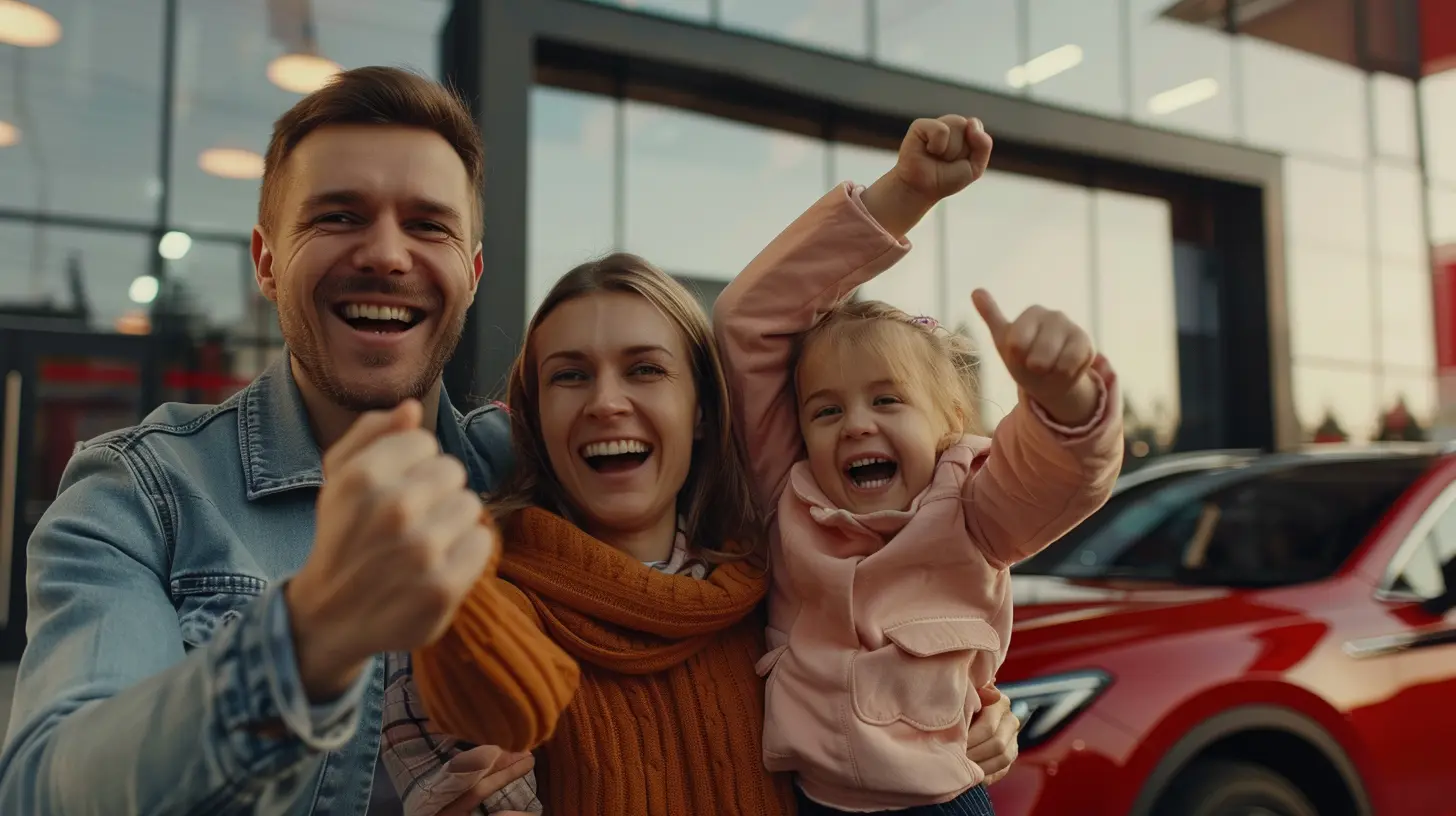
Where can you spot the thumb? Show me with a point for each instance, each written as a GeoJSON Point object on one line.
{"type": "Point", "coordinates": [990, 312]}
{"type": "Point", "coordinates": [369, 427]}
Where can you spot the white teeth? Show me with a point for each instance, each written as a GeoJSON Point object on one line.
{"type": "Point", "coordinates": [616, 447]}
{"type": "Point", "coordinates": [873, 483]}
{"type": "Point", "coordinates": [870, 460]}
{"type": "Point", "coordinates": [369, 311]}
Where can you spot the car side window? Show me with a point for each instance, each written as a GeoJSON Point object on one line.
{"type": "Point", "coordinates": [1422, 574]}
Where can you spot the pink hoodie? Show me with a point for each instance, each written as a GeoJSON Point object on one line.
{"type": "Point", "coordinates": [882, 626]}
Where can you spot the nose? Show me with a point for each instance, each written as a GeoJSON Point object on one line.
{"type": "Point", "coordinates": [858, 423]}
{"type": "Point", "coordinates": [608, 398]}
{"type": "Point", "coordinates": [383, 249]}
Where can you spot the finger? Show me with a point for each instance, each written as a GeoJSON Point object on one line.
{"type": "Point", "coordinates": [438, 527]}
{"type": "Point", "coordinates": [990, 312]}
{"type": "Point", "coordinates": [978, 145]}
{"type": "Point", "coordinates": [1018, 340]}
{"type": "Point", "coordinates": [1077, 355]}
{"type": "Point", "coordinates": [389, 459]}
{"type": "Point", "coordinates": [429, 485]}
{"type": "Point", "coordinates": [933, 133]}
{"type": "Point", "coordinates": [955, 142]}
{"type": "Point", "coordinates": [369, 427]}
{"type": "Point", "coordinates": [470, 552]}
{"type": "Point", "coordinates": [492, 783]}
{"type": "Point", "coordinates": [1046, 346]}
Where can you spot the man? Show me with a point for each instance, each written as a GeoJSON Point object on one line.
{"type": "Point", "coordinates": [205, 607]}
{"type": "Point", "coordinates": [173, 666]}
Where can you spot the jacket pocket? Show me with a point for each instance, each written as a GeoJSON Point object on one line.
{"type": "Point", "coordinates": [206, 605]}
{"type": "Point", "coordinates": [923, 676]}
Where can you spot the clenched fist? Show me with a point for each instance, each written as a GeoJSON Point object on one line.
{"type": "Point", "coordinates": [398, 544]}
{"type": "Point", "coordinates": [1048, 356]}
{"type": "Point", "coordinates": [938, 158]}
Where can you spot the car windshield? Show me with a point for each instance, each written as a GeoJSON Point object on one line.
{"type": "Point", "coordinates": [1268, 524]}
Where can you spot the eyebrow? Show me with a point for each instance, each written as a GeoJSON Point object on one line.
{"type": "Point", "coordinates": [354, 198]}
{"type": "Point", "coordinates": [630, 351]}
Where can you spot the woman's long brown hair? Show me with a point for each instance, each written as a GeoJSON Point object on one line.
{"type": "Point", "coordinates": [720, 517]}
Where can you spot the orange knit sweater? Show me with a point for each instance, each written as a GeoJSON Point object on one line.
{"type": "Point", "coordinates": [668, 717]}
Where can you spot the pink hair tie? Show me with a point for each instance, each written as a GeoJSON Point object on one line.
{"type": "Point", "coordinates": [926, 321]}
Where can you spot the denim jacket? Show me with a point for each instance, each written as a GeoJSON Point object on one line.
{"type": "Point", "coordinates": [160, 676]}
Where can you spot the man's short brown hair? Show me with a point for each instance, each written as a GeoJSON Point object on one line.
{"type": "Point", "coordinates": [375, 96]}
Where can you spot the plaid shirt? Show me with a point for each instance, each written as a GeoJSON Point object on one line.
{"type": "Point", "coordinates": [416, 754]}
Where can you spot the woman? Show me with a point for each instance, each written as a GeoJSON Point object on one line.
{"type": "Point", "coordinates": [632, 540]}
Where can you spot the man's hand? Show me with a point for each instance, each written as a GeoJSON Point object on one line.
{"type": "Point", "coordinates": [1048, 356]}
{"type": "Point", "coordinates": [938, 158]}
{"type": "Point", "coordinates": [496, 769]}
{"type": "Point", "coordinates": [991, 741]}
{"type": "Point", "coordinates": [397, 545]}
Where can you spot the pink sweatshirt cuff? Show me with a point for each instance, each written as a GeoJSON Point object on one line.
{"type": "Point", "coordinates": [1104, 377]}
{"type": "Point", "coordinates": [856, 197]}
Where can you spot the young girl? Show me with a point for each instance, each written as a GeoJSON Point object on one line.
{"type": "Point", "coordinates": [890, 605]}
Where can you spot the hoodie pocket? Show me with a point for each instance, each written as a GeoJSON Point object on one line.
{"type": "Point", "coordinates": [923, 676]}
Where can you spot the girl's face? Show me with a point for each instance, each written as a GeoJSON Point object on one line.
{"type": "Point", "coordinates": [618, 410]}
{"type": "Point", "coordinates": [872, 438]}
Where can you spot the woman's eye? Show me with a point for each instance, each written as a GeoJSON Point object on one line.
{"type": "Point", "coordinates": [647, 370]}
{"type": "Point", "coordinates": [567, 376]}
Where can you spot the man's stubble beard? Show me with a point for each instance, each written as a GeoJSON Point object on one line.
{"type": "Point", "coordinates": [319, 367]}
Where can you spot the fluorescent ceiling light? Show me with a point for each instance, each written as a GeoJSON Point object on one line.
{"type": "Point", "coordinates": [231, 163]}
{"type": "Point", "coordinates": [9, 134]}
{"type": "Point", "coordinates": [174, 246]}
{"type": "Point", "coordinates": [27, 26]}
{"type": "Point", "coordinates": [143, 289]}
{"type": "Point", "coordinates": [302, 73]}
{"type": "Point", "coordinates": [1183, 96]}
{"type": "Point", "coordinates": [1046, 66]}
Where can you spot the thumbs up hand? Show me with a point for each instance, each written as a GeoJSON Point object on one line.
{"type": "Point", "coordinates": [1048, 356]}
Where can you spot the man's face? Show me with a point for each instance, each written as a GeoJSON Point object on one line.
{"type": "Point", "coordinates": [371, 261]}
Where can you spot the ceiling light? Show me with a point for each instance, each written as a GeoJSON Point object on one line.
{"type": "Point", "coordinates": [143, 289]}
{"type": "Point", "coordinates": [27, 26]}
{"type": "Point", "coordinates": [231, 163]}
{"type": "Point", "coordinates": [301, 73]}
{"type": "Point", "coordinates": [1044, 67]}
{"type": "Point", "coordinates": [174, 245]}
{"type": "Point", "coordinates": [9, 134]}
{"type": "Point", "coordinates": [1183, 96]}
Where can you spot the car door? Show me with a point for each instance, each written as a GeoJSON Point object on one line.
{"type": "Point", "coordinates": [1421, 647]}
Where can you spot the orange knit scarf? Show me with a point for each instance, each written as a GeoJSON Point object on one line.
{"type": "Point", "coordinates": [668, 718]}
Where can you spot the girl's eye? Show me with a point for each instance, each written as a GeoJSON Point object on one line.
{"type": "Point", "coordinates": [828, 410]}
{"type": "Point", "coordinates": [887, 400]}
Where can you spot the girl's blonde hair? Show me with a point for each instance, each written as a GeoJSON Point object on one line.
{"type": "Point", "coordinates": [920, 352]}
{"type": "Point", "coordinates": [720, 517]}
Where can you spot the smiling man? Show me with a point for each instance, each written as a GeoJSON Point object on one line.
{"type": "Point", "coordinates": [209, 593]}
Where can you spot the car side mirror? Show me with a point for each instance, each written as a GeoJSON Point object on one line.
{"type": "Point", "coordinates": [1446, 601]}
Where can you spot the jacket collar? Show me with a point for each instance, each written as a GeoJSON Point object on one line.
{"type": "Point", "coordinates": [276, 440]}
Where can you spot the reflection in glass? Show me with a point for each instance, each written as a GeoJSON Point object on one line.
{"type": "Point", "coordinates": [78, 398]}
{"type": "Point", "coordinates": [225, 100]}
{"type": "Point", "coordinates": [1407, 407]}
{"type": "Point", "coordinates": [704, 195]}
{"type": "Point", "coordinates": [1182, 73]}
{"type": "Point", "coordinates": [688, 9]}
{"type": "Point", "coordinates": [1301, 103]}
{"type": "Point", "coordinates": [914, 284]}
{"type": "Point", "coordinates": [1137, 323]}
{"type": "Point", "coordinates": [833, 25]}
{"type": "Point", "coordinates": [1094, 29]}
{"type": "Point", "coordinates": [72, 278]}
{"type": "Point", "coordinates": [86, 113]}
{"type": "Point", "coordinates": [1027, 241]}
{"type": "Point", "coordinates": [1335, 403]}
{"type": "Point", "coordinates": [929, 37]}
{"type": "Point", "coordinates": [571, 197]}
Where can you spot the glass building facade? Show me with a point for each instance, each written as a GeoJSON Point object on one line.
{"type": "Point", "coordinates": [1249, 204]}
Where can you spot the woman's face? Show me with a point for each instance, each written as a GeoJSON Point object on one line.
{"type": "Point", "coordinates": [619, 409]}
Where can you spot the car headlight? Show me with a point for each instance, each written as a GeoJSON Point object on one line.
{"type": "Point", "coordinates": [1046, 704]}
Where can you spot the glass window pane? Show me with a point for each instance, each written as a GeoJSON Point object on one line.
{"type": "Point", "coordinates": [211, 287]}
{"type": "Point", "coordinates": [1301, 103]}
{"type": "Point", "coordinates": [1335, 403]}
{"type": "Point", "coordinates": [87, 113]}
{"type": "Point", "coordinates": [87, 278]}
{"type": "Point", "coordinates": [1400, 232]}
{"type": "Point", "coordinates": [929, 36]}
{"type": "Point", "coordinates": [1394, 113]}
{"type": "Point", "coordinates": [914, 283]}
{"type": "Point", "coordinates": [226, 102]}
{"type": "Point", "coordinates": [1326, 206]}
{"type": "Point", "coordinates": [833, 25]}
{"type": "Point", "coordinates": [704, 195]}
{"type": "Point", "coordinates": [1181, 72]}
{"type": "Point", "coordinates": [1137, 325]}
{"type": "Point", "coordinates": [687, 9]}
{"type": "Point", "coordinates": [1331, 317]}
{"type": "Point", "coordinates": [1026, 241]}
{"type": "Point", "coordinates": [572, 187]}
{"type": "Point", "coordinates": [1443, 215]}
{"type": "Point", "coordinates": [1076, 54]}
{"type": "Point", "coordinates": [1438, 109]}
{"type": "Point", "coordinates": [1407, 331]}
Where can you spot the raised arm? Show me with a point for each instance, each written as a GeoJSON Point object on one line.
{"type": "Point", "coordinates": [1054, 458]}
{"type": "Point", "coordinates": [848, 237]}
{"type": "Point", "coordinates": [110, 716]}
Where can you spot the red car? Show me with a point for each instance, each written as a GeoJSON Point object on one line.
{"type": "Point", "coordinates": [1244, 635]}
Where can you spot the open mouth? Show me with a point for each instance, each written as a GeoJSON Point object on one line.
{"type": "Point", "coordinates": [367, 317]}
{"type": "Point", "coordinates": [615, 456]}
{"type": "Point", "coordinates": [870, 472]}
